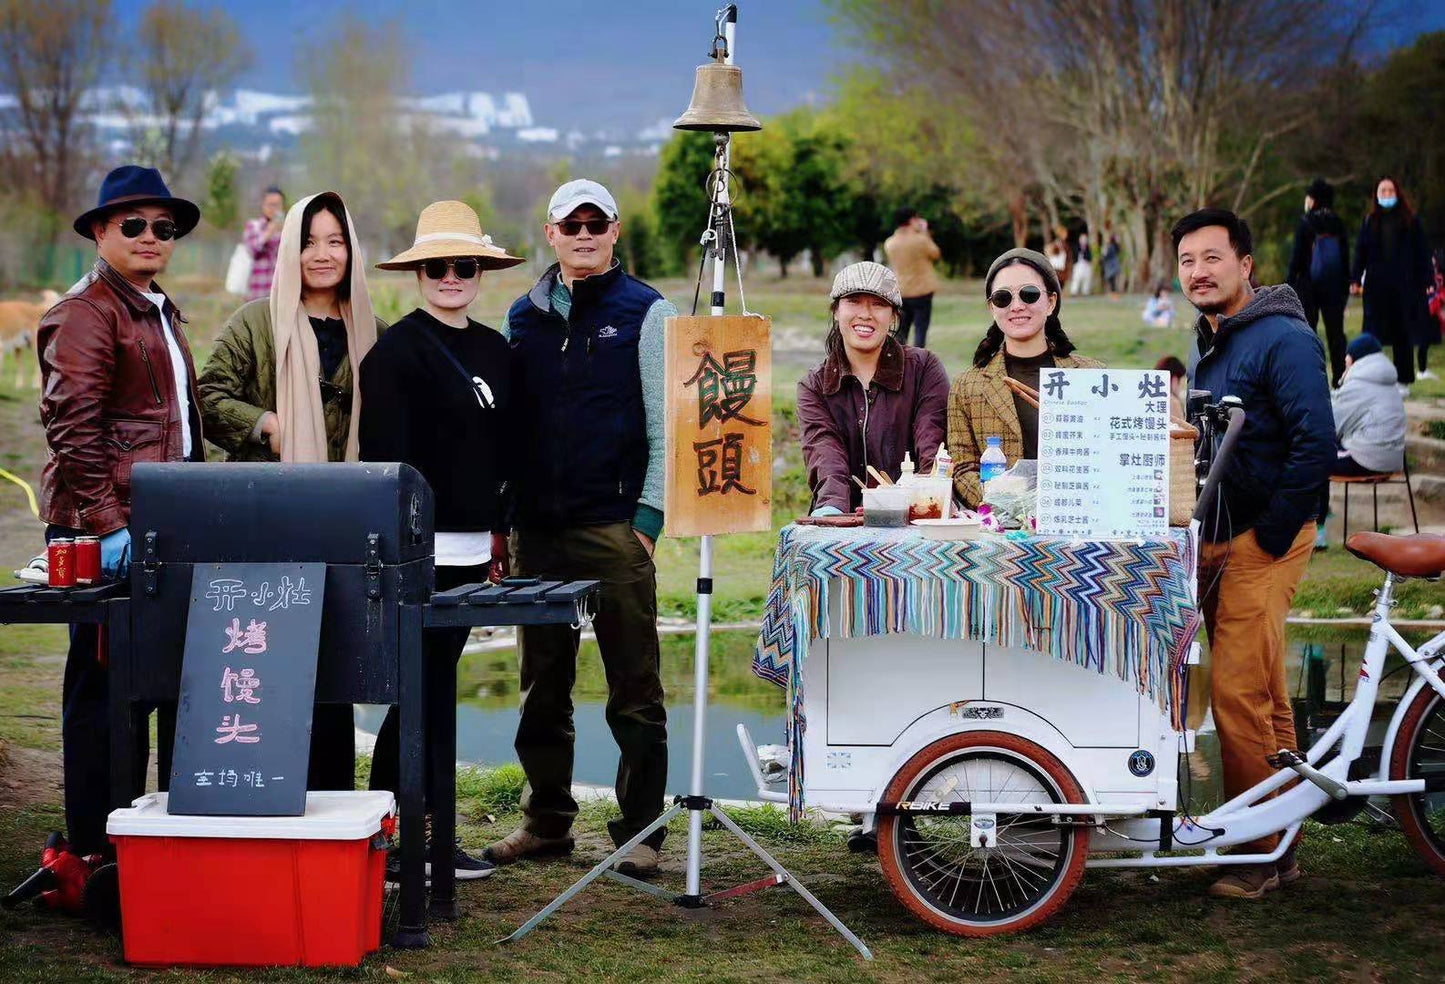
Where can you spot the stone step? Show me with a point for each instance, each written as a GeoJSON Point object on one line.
{"type": "Point", "coordinates": [1426, 454]}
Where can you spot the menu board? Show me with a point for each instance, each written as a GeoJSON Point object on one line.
{"type": "Point", "coordinates": [248, 679]}
{"type": "Point", "coordinates": [1104, 453]}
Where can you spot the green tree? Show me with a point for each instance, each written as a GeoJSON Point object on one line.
{"type": "Point", "coordinates": [680, 198]}
{"type": "Point", "coordinates": [223, 203]}
{"type": "Point", "coordinates": [186, 54]}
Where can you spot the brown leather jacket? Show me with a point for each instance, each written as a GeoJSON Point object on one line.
{"type": "Point", "coordinates": [107, 399]}
{"type": "Point", "coordinates": [846, 429]}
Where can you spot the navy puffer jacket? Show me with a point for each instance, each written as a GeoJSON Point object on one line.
{"type": "Point", "coordinates": [1268, 357]}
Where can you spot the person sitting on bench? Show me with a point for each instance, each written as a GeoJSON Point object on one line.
{"type": "Point", "coordinates": [1369, 418]}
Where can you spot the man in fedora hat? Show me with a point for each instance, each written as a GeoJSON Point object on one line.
{"type": "Point", "coordinates": [118, 388]}
{"type": "Point", "coordinates": [587, 388]}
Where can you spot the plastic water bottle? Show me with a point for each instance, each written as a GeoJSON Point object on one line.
{"type": "Point", "coordinates": [992, 463]}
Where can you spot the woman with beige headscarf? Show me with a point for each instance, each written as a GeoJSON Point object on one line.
{"type": "Point", "coordinates": [279, 387]}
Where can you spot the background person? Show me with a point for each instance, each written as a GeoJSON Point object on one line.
{"type": "Point", "coordinates": [912, 253]}
{"type": "Point", "coordinates": [1392, 271]}
{"type": "Point", "coordinates": [1159, 309]}
{"type": "Point", "coordinates": [279, 387]}
{"type": "Point", "coordinates": [1025, 338]}
{"type": "Point", "coordinates": [262, 238]}
{"type": "Point", "coordinates": [588, 386]}
{"type": "Point", "coordinates": [1081, 280]}
{"type": "Point", "coordinates": [1319, 270]}
{"type": "Point", "coordinates": [1254, 344]}
{"type": "Point", "coordinates": [868, 375]}
{"type": "Point", "coordinates": [436, 394]}
{"type": "Point", "coordinates": [118, 388]}
{"type": "Point", "coordinates": [1113, 264]}
{"type": "Point", "coordinates": [1178, 384]}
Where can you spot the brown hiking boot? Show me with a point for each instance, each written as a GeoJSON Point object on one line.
{"type": "Point", "coordinates": [522, 843]}
{"type": "Point", "coordinates": [1246, 881]}
{"type": "Point", "coordinates": [640, 862]}
{"type": "Point", "coordinates": [1288, 866]}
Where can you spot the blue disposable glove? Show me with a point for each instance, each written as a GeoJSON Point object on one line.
{"type": "Point", "coordinates": [115, 553]}
{"type": "Point", "coordinates": [827, 511]}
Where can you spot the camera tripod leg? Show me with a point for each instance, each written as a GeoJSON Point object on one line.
{"type": "Point", "coordinates": [591, 876]}
{"type": "Point", "coordinates": [787, 876]}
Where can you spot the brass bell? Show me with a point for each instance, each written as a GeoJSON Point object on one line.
{"type": "Point", "coordinates": [717, 102]}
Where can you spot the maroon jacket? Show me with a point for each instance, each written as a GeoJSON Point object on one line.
{"type": "Point", "coordinates": [845, 429]}
{"type": "Point", "coordinates": [107, 399]}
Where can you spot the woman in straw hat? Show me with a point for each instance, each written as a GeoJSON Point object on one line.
{"type": "Point", "coordinates": [278, 386]}
{"type": "Point", "coordinates": [436, 395]}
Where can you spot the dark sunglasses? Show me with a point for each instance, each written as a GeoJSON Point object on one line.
{"type": "Point", "coordinates": [570, 227]}
{"type": "Point", "coordinates": [132, 227]}
{"type": "Point", "coordinates": [1003, 297]}
{"type": "Point", "coordinates": [464, 269]}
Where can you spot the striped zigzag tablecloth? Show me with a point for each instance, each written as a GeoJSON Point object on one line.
{"type": "Point", "coordinates": [1121, 607]}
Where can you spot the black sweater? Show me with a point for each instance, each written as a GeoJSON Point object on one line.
{"type": "Point", "coordinates": [418, 408]}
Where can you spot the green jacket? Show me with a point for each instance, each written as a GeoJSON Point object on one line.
{"type": "Point", "coordinates": [239, 385]}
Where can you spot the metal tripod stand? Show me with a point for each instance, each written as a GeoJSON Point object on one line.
{"type": "Point", "coordinates": [717, 240]}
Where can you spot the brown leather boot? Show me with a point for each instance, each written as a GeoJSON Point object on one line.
{"type": "Point", "coordinates": [1246, 881]}
{"type": "Point", "coordinates": [522, 843]}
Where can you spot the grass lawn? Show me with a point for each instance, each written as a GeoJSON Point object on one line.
{"type": "Point", "coordinates": [1367, 910]}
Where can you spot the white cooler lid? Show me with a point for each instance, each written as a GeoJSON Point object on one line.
{"type": "Point", "coordinates": [337, 815]}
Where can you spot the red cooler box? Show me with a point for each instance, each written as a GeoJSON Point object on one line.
{"type": "Point", "coordinates": [301, 890]}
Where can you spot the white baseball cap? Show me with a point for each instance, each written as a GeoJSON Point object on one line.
{"type": "Point", "coordinates": [582, 191]}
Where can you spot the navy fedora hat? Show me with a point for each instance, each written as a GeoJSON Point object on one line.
{"type": "Point", "coordinates": [131, 184]}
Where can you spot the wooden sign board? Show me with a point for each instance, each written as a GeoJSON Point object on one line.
{"type": "Point", "coordinates": [248, 680]}
{"type": "Point", "coordinates": [719, 425]}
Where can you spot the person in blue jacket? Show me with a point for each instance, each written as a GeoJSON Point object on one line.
{"type": "Point", "coordinates": [1254, 344]}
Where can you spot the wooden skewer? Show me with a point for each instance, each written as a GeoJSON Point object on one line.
{"type": "Point", "coordinates": [859, 482]}
{"type": "Point", "coordinates": [1029, 394]}
{"type": "Point", "coordinates": [879, 477]}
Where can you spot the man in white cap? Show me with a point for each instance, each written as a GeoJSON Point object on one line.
{"type": "Point", "coordinates": [587, 391]}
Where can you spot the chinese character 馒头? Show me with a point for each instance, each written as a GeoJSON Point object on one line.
{"type": "Point", "coordinates": [232, 729]}
{"type": "Point", "coordinates": [724, 389]}
{"type": "Point", "coordinates": [246, 683]}
{"type": "Point", "coordinates": [250, 640]}
{"type": "Point", "coordinates": [723, 463]}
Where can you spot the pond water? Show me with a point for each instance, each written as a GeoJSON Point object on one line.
{"type": "Point", "coordinates": [487, 708]}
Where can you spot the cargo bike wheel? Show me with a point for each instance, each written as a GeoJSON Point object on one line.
{"type": "Point", "coordinates": [1024, 878]}
{"type": "Point", "coordinates": [1419, 753]}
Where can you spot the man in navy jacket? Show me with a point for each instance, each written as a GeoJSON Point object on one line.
{"type": "Point", "coordinates": [587, 387]}
{"type": "Point", "coordinates": [1254, 344]}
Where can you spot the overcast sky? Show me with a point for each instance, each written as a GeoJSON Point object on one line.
{"type": "Point", "coordinates": [598, 63]}
{"type": "Point", "coordinates": [627, 63]}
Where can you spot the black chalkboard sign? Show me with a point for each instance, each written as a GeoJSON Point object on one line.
{"type": "Point", "coordinates": [243, 728]}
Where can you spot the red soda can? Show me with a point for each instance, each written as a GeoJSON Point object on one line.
{"type": "Point", "coordinates": [87, 560]}
{"type": "Point", "coordinates": [61, 552]}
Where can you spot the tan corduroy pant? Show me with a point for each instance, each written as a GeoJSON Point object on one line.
{"type": "Point", "coordinates": [1245, 593]}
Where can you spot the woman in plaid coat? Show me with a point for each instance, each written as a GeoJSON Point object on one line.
{"type": "Point", "coordinates": [1026, 337]}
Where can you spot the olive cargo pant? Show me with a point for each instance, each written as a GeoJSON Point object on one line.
{"type": "Point", "coordinates": [626, 628]}
{"type": "Point", "coordinates": [1245, 593]}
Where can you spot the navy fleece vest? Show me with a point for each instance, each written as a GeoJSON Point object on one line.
{"type": "Point", "coordinates": [582, 427]}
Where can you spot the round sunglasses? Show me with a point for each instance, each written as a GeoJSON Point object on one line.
{"type": "Point", "coordinates": [1003, 297]}
{"type": "Point", "coordinates": [465, 269]}
{"type": "Point", "coordinates": [132, 227]}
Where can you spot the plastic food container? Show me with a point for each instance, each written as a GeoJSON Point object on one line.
{"type": "Point", "coordinates": [253, 891]}
{"type": "Point", "coordinates": [886, 505]}
{"type": "Point", "coordinates": [932, 498]}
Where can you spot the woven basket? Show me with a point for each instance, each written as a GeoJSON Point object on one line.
{"type": "Point", "coordinates": [1183, 492]}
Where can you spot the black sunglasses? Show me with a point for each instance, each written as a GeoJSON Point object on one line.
{"type": "Point", "coordinates": [132, 227]}
{"type": "Point", "coordinates": [570, 227]}
{"type": "Point", "coordinates": [1003, 297]}
{"type": "Point", "coordinates": [465, 269]}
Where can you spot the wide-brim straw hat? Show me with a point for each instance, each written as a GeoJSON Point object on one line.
{"type": "Point", "coordinates": [450, 230]}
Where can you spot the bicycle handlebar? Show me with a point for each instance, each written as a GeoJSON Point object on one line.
{"type": "Point", "coordinates": [1235, 413]}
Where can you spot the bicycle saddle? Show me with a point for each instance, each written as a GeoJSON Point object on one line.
{"type": "Point", "coordinates": [1417, 555]}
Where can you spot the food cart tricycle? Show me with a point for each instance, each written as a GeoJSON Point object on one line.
{"type": "Point", "coordinates": [1007, 713]}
